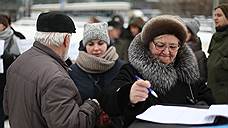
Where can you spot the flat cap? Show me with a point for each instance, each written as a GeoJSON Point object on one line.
{"type": "Point", "coordinates": [55, 22]}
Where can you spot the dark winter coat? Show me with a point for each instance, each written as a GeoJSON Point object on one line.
{"type": "Point", "coordinates": [91, 74]}
{"type": "Point", "coordinates": [39, 93]}
{"type": "Point", "coordinates": [90, 84]}
{"type": "Point", "coordinates": [123, 45]}
{"type": "Point", "coordinates": [200, 57]}
{"type": "Point", "coordinates": [177, 83]}
{"type": "Point", "coordinates": [218, 65]}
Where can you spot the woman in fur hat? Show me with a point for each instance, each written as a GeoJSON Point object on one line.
{"type": "Point", "coordinates": [96, 65]}
{"type": "Point", "coordinates": [159, 60]}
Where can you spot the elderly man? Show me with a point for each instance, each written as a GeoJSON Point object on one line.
{"type": "Point", "coordinates": [39, 92]}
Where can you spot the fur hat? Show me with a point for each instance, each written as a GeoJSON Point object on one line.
{"type": "Point", "coordinates": [164, 24]}
{"type": "Point", "coordinates": [193, 25]}
{"type": "Point", "coordinates": [55, 22]}
{"type": "Point", "coordinates": [224, 8]}
{"type": "Point", "coordinates": [95, 31]}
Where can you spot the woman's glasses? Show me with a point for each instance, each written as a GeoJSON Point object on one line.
{"type": "Point", "coordinates": [161, 46]}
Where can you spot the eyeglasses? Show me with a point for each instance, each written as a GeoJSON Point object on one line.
{"type": "Point", "coordinates": [161, 46]}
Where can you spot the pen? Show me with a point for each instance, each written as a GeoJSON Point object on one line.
{"type": "Point", "coordinates": [149, 89]}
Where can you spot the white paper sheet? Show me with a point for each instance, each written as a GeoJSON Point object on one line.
{"type": "Point", "coordinates": [218, 110]}
{"type": "Point", "coordinates": [183, 115]}
{"type": "Point", "coordinates": [2, 42]}
{"type": "Point", "coordinates": [1, 66]}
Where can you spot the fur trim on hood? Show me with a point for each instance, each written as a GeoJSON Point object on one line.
{"type": "Point", "coordinates": [162, 76]}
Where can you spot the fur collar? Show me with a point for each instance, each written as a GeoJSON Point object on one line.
{"type": "Point", "coordinates": [161, 76]}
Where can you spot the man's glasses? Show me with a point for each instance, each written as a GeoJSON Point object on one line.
{"type": "Point", "coordinates": [161, 46]}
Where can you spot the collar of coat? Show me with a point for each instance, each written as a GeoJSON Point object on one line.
{"type": "Point", "coordinates": [51, 53]}
{"type": "Point", "coordinates": [163, 77]}
{"type": "Point", "coordinates": [222, 28]}
{"type": "Point", "coordinates": [218, 39]}
{"type": "Point", "coordinates": [219, 35]}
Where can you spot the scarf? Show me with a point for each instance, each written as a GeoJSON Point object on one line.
{"type": "Point", "coordinates": [8, 36]}
{"type": "Point", "coordinates": [163, 76]}
{"type": "Point", "coordinates": [92, 64]}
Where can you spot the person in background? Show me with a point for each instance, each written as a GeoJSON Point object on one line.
{"type": "Point", "coordinates": [195, 44]}
{"type": "Point", "coordinates": [39, 92]}
{"type": "Point", "coordinates": [135, 27]}
{"type": "Point", "coordinates": [10, 53]}
{"type": "Point", "coordinates": [159, 59]}
{"type": "Point", "coordinates": [96, 66]}
{"type": "Point", "coordinates": [120, 20]}
{"type": "Point", "coordinates": [217, 64]}
{"type": "Point", "coordinates": [93, 19]}
{"type": "Point", "coordinates": [114, 32]}
{"type": "Point", "coordinates": [16, 33]}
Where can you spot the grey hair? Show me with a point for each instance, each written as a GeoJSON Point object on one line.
{"type": "Point", "coordinates": [50, 38]}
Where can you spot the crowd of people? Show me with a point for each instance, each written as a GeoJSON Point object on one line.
{"type": "Point", "coordinates": [109, 83]}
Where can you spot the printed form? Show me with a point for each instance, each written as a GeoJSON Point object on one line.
{"type": "Point", "coordinates": [183, 115]}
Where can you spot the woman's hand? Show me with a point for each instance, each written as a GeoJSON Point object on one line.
{"type": "Point", "coordinates": [139, 91]}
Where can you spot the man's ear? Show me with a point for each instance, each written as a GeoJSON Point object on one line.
{"type": "Point", "coordinates": [66, 42]}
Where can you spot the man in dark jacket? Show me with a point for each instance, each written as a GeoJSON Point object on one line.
{"type": "Point", "coordinates": [39, 92]}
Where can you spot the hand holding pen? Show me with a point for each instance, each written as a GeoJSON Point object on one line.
{"type": "Point", "coordinates": [149, 89]}
{"type": "Point", "coordinates": [139, 91]}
